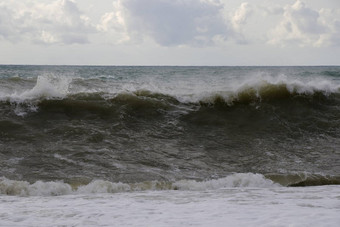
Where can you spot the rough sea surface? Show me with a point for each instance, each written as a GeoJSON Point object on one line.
{"type": "Point", "coordinates": [169, 146]}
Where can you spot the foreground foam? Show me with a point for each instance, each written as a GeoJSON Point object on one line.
{"type": "Point", "coordinates": [312, 206]}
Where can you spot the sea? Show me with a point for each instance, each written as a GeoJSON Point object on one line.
{"type": "Point", "coordinates": [169, 146]}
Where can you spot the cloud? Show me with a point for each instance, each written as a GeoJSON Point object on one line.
{"type": "Point", "coordinates": [241, 15]}
{"type": "Point", "coordinates": [168, 22]}
{"type": "Point", "coordinates": [330, 18]}
{"type": "Point", "coordinates": [114, 23]}
{"type": "Point", "coordinates": [6, 22]}
{"type": "Point", "coordinates": [239, 20]}
{"type": "Point", "coordinates": [57, 22]}
{"type": "Point", "coordinates": [304, 26]}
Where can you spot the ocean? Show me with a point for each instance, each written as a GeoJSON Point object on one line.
{"type": "Point", "coordinates": [169, 146]}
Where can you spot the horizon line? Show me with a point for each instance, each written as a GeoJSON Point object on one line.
{"type": "Point", "coordinates": [132, 65]}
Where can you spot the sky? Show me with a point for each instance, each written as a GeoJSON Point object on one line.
{"type": "Point", "coordinates": [170, 32]}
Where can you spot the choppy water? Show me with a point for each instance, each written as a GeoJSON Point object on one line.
{"type": "Point", "coordinates": [70, 131]}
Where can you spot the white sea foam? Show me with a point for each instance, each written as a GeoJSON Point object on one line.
{"type": "Point", "coordinates": [241, 199]}
{"type": "Point", "coordinates": [234, 180]}
{"type": "Point", "coordinates": [39, 188]}
{"type": "Point", "coordinates": [47, 86]}
{"type": "Point", "coordinates": [101, 186]}
{"type": "Point", "coordinates": [311, 206]}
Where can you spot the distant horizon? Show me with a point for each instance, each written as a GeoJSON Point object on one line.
{"type": "Point", "coordinates": [170, 65]}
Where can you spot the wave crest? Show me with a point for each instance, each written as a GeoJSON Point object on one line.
{"type": "Point", "coordinates": [264, 93]}
{"type": "Point", "coordinates": [65, 92]}
{"type": "Point", "coordinates": [304, 179]}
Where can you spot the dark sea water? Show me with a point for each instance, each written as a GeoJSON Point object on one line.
{"type": "Point", "coordinates": [77, 124]}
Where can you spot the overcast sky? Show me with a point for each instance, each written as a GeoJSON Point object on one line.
{"type": "Point", "coordinates": [170, 32]}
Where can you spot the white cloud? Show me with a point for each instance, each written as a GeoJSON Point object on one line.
{"type": "Point", "coordinates": [114, 24]}
{"type": "Point", "coordinates": [168, 22]}
{"type": "Point", "coordinates": [330, 18]}
{"type": "Point", "coordinates": [241, 15]}
{"type": "Point", "coordinates": [238, 20]}
{"type": "Point", "coordinates": [6, 28]}
{"type": "Point", "coordinates": [305, 26]}
{"type": "Point", "coordinates": [57, 22]}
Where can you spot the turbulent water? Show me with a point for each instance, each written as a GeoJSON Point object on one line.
{"type": "Point", "coordinates": [70, 130]}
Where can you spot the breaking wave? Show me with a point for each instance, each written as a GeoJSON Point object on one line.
{"type": "Point", "coordinates": [304, 179]}
{"type": "Point", "coordinates": [39, 188]}
{"type": "Point", "coordinates": [64, 93]}
{"type": "Point", "coordinates": [237, 180]}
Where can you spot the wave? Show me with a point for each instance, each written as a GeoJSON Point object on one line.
{"type": "Point", "coordinates": [40, 188]}
{"type": "Point", "coordinates": [304, 179]}
{"type": "Point", "coordinates": [237, 180]}
{"type": "Point", "coordinates": [50, 98]}
{"type": "Point", "coordinates": [264, 94]}
{"type": "Point", "coordinates": [52, 86]}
